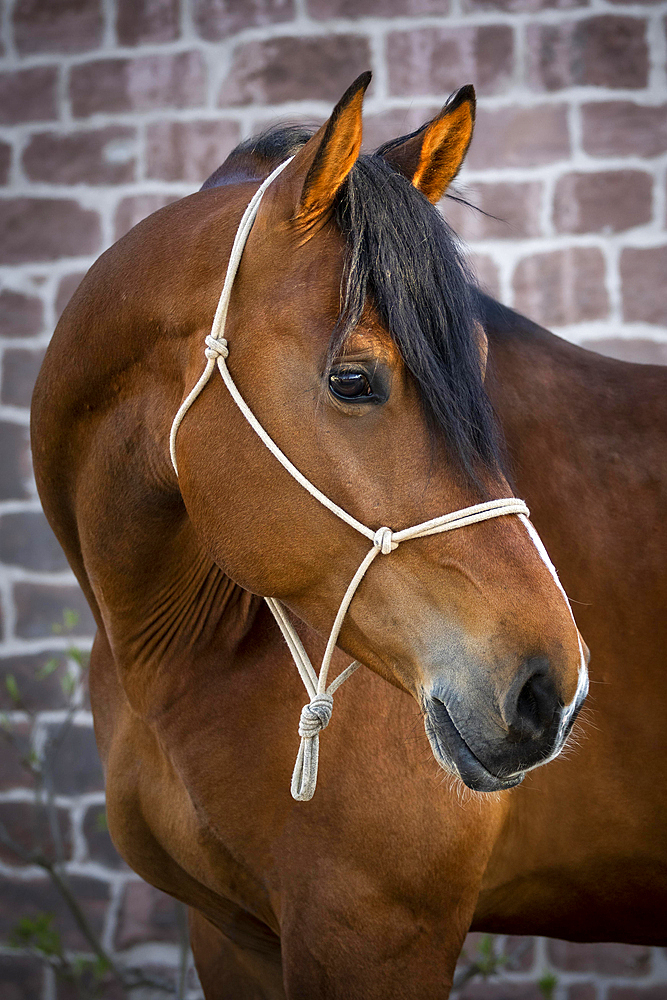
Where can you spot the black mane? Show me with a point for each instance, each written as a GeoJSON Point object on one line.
{"type": "Point", "coordinates": [402, 257]}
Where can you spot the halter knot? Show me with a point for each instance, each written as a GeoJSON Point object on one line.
{"type": "Point", "coordinates": [216, 348]}
{"type": "Point", "coordinates": [316, 715]}
{"type": "Point", "coordinates": [383, 539]}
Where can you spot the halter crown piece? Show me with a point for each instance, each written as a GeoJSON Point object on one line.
{"type": "Point", "coordinates": [316, 715]}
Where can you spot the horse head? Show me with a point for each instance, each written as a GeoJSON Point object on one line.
{"type": "Point", "coordinates": [354, 340]}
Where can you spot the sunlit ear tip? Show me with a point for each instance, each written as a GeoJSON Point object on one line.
{"type": "Point", "coordinates": [363, 80]}
{"type": "Point", "coordinates": [357, 88]}
{"type": "Point", "coordinates": [466, 94]}
{"type": "Point", "coordinates": [332, 153]}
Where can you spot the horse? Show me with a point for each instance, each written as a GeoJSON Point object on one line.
{"type": "Point", "coordinates": [359, 345]}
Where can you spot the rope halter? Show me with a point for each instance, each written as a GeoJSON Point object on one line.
{"type": "Point", "coordinates": [316, 715]}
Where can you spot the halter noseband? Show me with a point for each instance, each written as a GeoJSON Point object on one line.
{"type": "Point", "coordinates": [316, 715]}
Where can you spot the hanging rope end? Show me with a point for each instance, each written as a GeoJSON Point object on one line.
{"type": "Point", "coordinates": [315, 716]}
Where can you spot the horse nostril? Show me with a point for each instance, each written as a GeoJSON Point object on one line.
{"type": "Point", "coordinates": [535, 707]}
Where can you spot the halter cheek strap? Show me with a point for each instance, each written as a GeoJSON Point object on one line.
{"type": "Point", "coordinates": [316, 715]}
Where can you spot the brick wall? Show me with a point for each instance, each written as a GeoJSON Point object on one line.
{"type": "Point", "coordinates": [111, 108]}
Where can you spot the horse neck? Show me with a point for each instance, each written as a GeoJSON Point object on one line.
{"type": "Point", "coordinates": [103, 405]}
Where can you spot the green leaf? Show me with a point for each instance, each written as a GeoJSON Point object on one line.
{"type": "Point", "coordinates": [100, 967]}
{"type": "Point", "coordinates": [101, 824]}
{"type": "Point", "coordinates": [68, 684]}
{"type": "Point", "coordinates": [12, 688]}
{"type": "Point", "coordinates": [70, 619]}
{"type": "Point", "coordinates": [547, 984]}
{"type": "Point", "coordinates": [49, 667]}
{"type": "Point", "coordinates": [37, 932]}
{"type": "Point", "coordinates": [74, 654]}
{"type": "Point", "coordinates": [488, 960]}
{"type": "Point", "coordinates": [485, 946]}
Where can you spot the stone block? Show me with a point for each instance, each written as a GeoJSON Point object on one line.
{"type": "Point", "coordinates": [37, 693]}
{"type": "Point", "coordinates": [638, 992]}
{"type": "Point", "coordinates": [609, 201]}
{"type": "Point", "coordinates": [146, 914]}
{"type": "Point", "coordinates": [41, 605]}
{"type": "Point", "coordinates": [134, 208]}
{"type": "Point", "coordinates": [478, 989]}
{"type": "Point", "coordinates": [5, 162]}
{"type": "Point", "coordinates": [519, 137]}
{"type": "Point", "coordinates": [623, 128]}
{"type": "Point", "coordinates": [28, 95]}
{"type": "Point", "coordinates": [604, 51]}
{"type": "Point", "coordinates": [29, 826]}
{"type": "Point", "coordinates": [75, 764]}
{"type": "Point", "coordinates": [144, 83]}
{"type": "Point", "coordinates": [28, 898]}
{"type": "Point", "coordinates": [13, 751]}
{"type": "Point", "coordinates": [218, 19]}
{"type": "Point", "coordinates": [643, 271]}
{"type": "Point", "coordinates": [561, 286]}
{"type": "Point", "coordinates": [291, 69]}
{"type": "Point", "coordinates": [326, 9]}
{"type": "Point", "coordinates": [520, 6]}
{"type": "Point", "coordinates": [27, 540]}
{"type": "Point", "coordinates": [188, 151]}
{"type": "Point", "coordinates": [508, 211]}
{"type": "Point", "coordinates": [19, 371]}
{"type": "Point", "coordinates": [582, 991]}
{"type": "Point", "coordinates": [43, 229]}
{"type": "Point", "coordinates": [140, 22]}
{"type": "Point", "coordinates": [15, 465]}
{"type": "Point", "coordinates": [100, 156]}
{"type": "Point", "coordinates": [108, 988]}
{"type": "Point", "coordinates": [604, 959]}
{"type": "Point", "coordinates": [57, 25]}
{"type": "Point", "coordinates": [637, 349]}
{"type": "Point", "coordinates": [438, 60]}
{"type": "Point", "coordinates": [20, 315]}
{"type": "Point", "coordinates": [22, 978]}
{"type": "Point", "coordinates": [485, 270]}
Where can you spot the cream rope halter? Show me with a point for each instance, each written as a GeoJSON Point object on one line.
{"type": "Point", "coordinates": [316, 715]}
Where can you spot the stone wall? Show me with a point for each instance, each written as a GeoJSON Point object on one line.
{"type": "Point", "coordinates": [110, 109]}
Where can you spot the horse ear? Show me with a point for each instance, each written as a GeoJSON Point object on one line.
{"type": "Point", "coordinates": [432, 156]}
{"type": "Point", "coordinates": [322, 165]}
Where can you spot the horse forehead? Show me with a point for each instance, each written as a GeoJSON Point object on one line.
{"type": "Point", "coordinates": [277, 240]}
{"type": "Point", "coordinates": [287, 286]}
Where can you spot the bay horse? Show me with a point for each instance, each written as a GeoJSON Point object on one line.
{"type": "Point", "coordinates": [358, 343]}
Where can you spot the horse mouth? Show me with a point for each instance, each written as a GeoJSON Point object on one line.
{"type": "Point", "coordinates": [454, 755]}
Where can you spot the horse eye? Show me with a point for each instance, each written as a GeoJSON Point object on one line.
{"type": "Point", "coordinates": [350, 385]}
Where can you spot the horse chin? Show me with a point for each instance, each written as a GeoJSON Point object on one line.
{"type": "Point", "coordinates": [455, 756]}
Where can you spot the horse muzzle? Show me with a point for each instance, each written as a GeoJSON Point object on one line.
{"type": "Point", "coordinates": [533, 722]}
